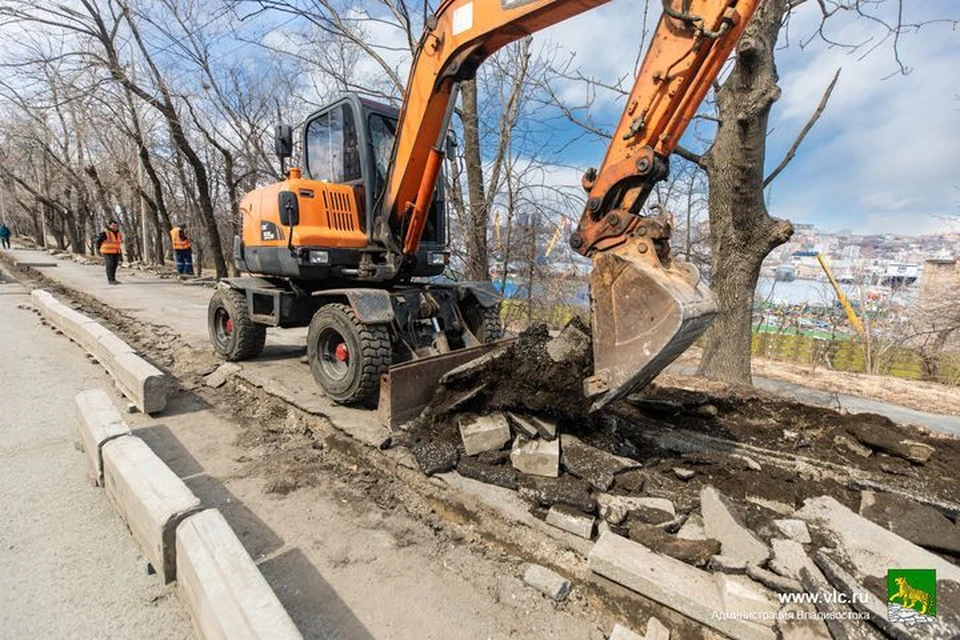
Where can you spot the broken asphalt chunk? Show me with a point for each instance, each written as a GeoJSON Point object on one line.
{"type": "Point", "coordinates": [435, 456]}
{"type": "Point", "coordinates": [500, 476]}
{"type": "Point", "coordinates": [546, 492]}
{"type": "Point", "coordinates": [594, 465]}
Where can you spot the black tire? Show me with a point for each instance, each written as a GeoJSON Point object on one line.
{"type": "Point", "coordinates": [484, 322]}
{"type": "Point", "coordinates": [347, 357]}
{"type": "Point", "coordinates": [234, 336]}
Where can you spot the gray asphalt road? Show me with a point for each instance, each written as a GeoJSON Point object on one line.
{"type": "Point", "coordinates": [68, 566]}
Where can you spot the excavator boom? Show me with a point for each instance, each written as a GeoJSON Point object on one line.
{"type": "Point", "coordinates": [646, 307]}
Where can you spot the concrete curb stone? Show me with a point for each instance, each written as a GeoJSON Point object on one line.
{"type": "Point", "coordinates": [98, 422]}
{"type": "Point", "coordinates": [227, 596]}
{"type": "Point", "coordinates": [150, 498]}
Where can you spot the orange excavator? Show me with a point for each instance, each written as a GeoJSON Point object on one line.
{"type": "Point", "coordinates": [347, 244]}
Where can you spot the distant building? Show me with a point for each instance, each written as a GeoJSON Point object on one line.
{"type": "Point", "coordinates": [939, 276]}
{"type": "Point", "coordinates": [850, 252]}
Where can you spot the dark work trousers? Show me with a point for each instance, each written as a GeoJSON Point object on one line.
{"type": "Point", "coordinates": [184, 261]}
{"type": "Point", "coordinates": [112, 261]}
{"type": "Point", "coordinates": [6, 242]}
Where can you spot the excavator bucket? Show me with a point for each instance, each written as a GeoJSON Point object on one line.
{"type": "Point", "coordinates": [645, 314]}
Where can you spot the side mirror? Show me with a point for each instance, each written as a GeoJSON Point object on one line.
{"type": "Point", "coordinates": [289, 208]}
{"type": "Point", "coordinates": [283, 141]}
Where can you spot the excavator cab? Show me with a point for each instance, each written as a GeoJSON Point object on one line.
{"type": "Point", "coordinates": [346, 150]}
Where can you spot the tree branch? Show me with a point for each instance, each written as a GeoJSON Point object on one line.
{"type": "Point", "coordinates": [686, 154]}
{"type": "Point", "coordinates": [803, 132]}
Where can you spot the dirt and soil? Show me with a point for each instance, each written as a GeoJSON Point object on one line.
{"type": "Point", "coordinates": [922, 396]}
{"type": "Point", "coordinates": [764, 452]}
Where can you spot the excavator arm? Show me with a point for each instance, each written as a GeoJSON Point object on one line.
{"type": "Point", "coordinates": [646, 308]}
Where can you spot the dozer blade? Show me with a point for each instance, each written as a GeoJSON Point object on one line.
{"type": "Point", "coordinates": [406, 389]}
{"type": "Point", "coordinates": [645, 314]}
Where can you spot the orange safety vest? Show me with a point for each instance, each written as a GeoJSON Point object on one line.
{"type": "Point", "coordinates": [178, 242]}
{"type": "Point", "coordinates": [113, 244]}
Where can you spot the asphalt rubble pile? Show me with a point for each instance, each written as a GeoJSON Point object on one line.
{"type": "Point", "coordinates": [727, 498]}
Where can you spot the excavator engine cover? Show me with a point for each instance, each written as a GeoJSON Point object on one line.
{"type": "Point", "coordinates": [646, 312]}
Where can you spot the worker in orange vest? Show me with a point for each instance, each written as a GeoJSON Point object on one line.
{"type": "Point", "coordinates": [182, 249]}
{"type": "Point", "coordinates": [110, 245]}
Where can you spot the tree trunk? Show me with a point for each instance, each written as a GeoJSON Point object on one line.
{"type": "Point", "coordinates": [478, 218]}
{"type": "Point", "coordinates": [742, 233]}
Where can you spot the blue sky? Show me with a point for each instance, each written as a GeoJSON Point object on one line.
{"type": "Point", "coordinates": [883, 158]}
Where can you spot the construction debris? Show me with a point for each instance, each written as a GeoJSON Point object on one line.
{"type": "Point", "coordinates": [690, 591]}
{"type": "Point", "coordinates": [592, 464]}
{"type": "Point", "coordinates": [891, 442]}
{"type": "Point", "coordinates": [620, 632]}
{"type": "Point", "coordinates": [546, 581]}
{"type": "Point", "coordinates": [684, 481]}
{"type": "Point", "coordinates": [684, 474]}
{"type": "Point", "coordinates": [483, 433]}
{"type": "Point", "coordinates": [571, 520]}
{"type": "Point", "coordinates": [536, 457]}
{"type": "Point", "coordinates": [871, 548]}
{"type": "Point", "coordinates": [920, 524]}
{"type": "Point", "coordinates": [793, 529]}
{"type": "Point", "coordinates": [219, 377]}
{"type": "Point", "coordinates": [656, 630]}
{"type": "Point", "coordinates": [721, 523]}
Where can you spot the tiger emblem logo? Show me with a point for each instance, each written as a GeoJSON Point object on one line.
{"type": "Point", "coordinates": [911, 597]}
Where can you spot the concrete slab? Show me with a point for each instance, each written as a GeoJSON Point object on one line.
{"type": "Point", "coordinates": [150, 497]}
{"type": "Point", "coordinates": [793, 529]}
{"type": "Point", "coordinates": [673, 583]}
{"type": "Point", "coordinates": [656, 630]}
{"type": "Point", "coordinates": [98, 422]}
{"type": "Point", "coordinates": [225, 593]}
{"type": "Point", "coordinates": [572, 344]}
{"type": "Point", "coordinates": [869, 546]}
{"type": "Point", "coordinates": [484, 433]}
{"type": "Point", "coordinates": [788, 558]}
{"type": "Point", "coordinates": [536, 457]}
{"type": "Point", "coordinates": [219, 377]}
{"type": "Point", "coordinates": [571, 520]}
{"type": "Point", "coordinates": [722, 523]}
{"type": "Point", "coordinates": [621, 632]}
{"type": "Point", "coordinates": [693, 529]}
{"type": "Point", "coordinates": [546, 581]}
{"type": "Point", "coordinates": [144, 384]}
{"type": "Point", "coordinates": [740, 593]}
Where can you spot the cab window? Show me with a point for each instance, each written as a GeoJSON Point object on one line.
{"type": "Point", "coordinates": [333, 152]}
{"type": "Point", "coordinates": [383, 132]}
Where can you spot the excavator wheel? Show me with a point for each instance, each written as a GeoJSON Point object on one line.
{"type": "Point", "coordinates": [347, 357]}
{"type": "Point", "coordinates": [233, 334]}
{"type": "Point", "coordinates": [484, 322]}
